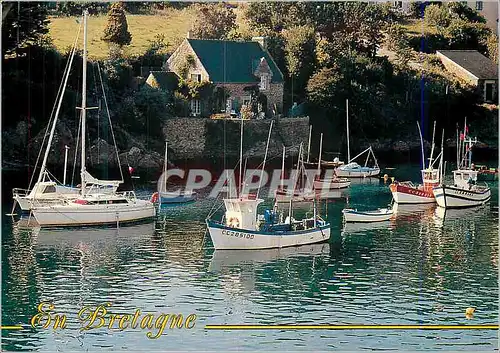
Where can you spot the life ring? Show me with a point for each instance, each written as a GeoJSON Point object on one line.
{"type": "Point", "coordinates": [155, 197]}
{"type": "Point", "coordinates": [234, 222]}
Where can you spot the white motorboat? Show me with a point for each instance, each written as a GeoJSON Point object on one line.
{"type": "Point", "coordinates": [92, 208]}
{"type": "Point", "coordinates": [465, 192]}
{"type": "Point", "coordinates": [379, 215]}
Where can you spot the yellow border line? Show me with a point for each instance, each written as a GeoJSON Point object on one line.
{"type": "Point", "coordinates": [18, 327]}
{"type": "Point", "coordinates": [352, 327]}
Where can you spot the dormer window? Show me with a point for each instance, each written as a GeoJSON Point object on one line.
{"type": "Point", "coordinates": [265, 82]}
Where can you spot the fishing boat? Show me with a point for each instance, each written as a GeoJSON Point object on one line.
{"type": "Point", "coordinates": [163, 196]}
{"type": "Point", "coordinates": [242, 227]}
{"type": "Point", "coordinates": [352, 169]}
{"type": "Point", "coordinates": [328, 181]}
{"type": "Point", "coordinates": [378, 215]}
{"type": "Point", "coordinates": [465, 192]}
{"type": "Point", "coordinates": [406, 192]}
{"type": "Point", "coordinates": [92, 207]}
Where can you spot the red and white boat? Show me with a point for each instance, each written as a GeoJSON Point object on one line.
{"type": "Point", "coordinates": [408, 193]}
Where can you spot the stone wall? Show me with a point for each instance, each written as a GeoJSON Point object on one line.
{"type": "Point", "coordinates": [198, 138]}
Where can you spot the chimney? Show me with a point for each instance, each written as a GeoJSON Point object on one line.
{"type": "Point", "coordinates": [188, 34]}
{"type": "Point", "coordinates": [261, 40]}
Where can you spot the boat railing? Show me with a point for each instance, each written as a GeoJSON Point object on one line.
{"type": "Point", "coordinates": [407, 183]}
{"type": "Point", "coordinates": [129, 194]}
{"type": "Point", "coordinates": [20, 192]}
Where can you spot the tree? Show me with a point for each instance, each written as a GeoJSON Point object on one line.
{"type": "Point", "coordinates": [300, 42]}
{"type": "Point", "coordinates": [491, 43]}
{"type": "Point", "coordinates": [24, 24]}
{"type": "Point", "coordinates": [116, 30]}
{"type": "Point", "coordinates": [397, 41]}
{"type": "Point", "coordinates": [213, 21]}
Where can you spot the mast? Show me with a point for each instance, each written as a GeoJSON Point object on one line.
{"type": "Point", "coordinates": [298, 167]}
{"type": "Point", "coordinates": [165, 165]}
{"type": "Point", "coordinates": [265, 157]}
{"type": "Point", "coordinates": [441, 171]}
{"type": "Point", "coordinates": [432, 148]}
{"type": "Point", "coordinates": [241, 157]}
{"type": "Point", "coordinates": [309, 144]}
{"type": "Point", "coordinates": [283, 168]}
{"type": "Point", "coordinates": [65, 163]}
{"type": "Point", "coordinates": [319, 160]}
{"type": "Point", "coordinates": [347, 124]}
{"type": "Point", "coordinates": [84, 98]}
{"type": "Point", "coordinates": [421, 145]}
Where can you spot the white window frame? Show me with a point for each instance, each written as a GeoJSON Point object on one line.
{"type": "Point", "coordinates": [479, 5]}
{"type": "Point", "coordinates": [195, 107]}
{"type": "Point", "coordinates": [265, 82]}
{"type": "Point", "coordinates": [197, 79]}
{"type": "Point", "coordinates": [246, 100]}
{"type": "Point", "coordinates": [492, 83]}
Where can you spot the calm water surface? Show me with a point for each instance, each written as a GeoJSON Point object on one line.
{"type": "Point", "coordinates": [423, 267]}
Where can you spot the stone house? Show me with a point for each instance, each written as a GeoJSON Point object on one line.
{"type": "Point", "coordinates": [235, 68]}
{"type": "Point", "coordinates": [475, 69]}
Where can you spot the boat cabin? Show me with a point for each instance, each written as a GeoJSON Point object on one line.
{"type": "Point", "coordinates": [242, 213]}
{"type": "Point", "coordinates": [465, 178]}
{"type": "Point", "coordinates": [430, 176]}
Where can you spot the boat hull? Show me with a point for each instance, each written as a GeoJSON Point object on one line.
{"type": "Point", "coordinates": [366, 217]}
{"type": "Point", "coordinates": [226, 238]}
{"type": "Point", "coordinates": [170, 198]}
{"type": "Point", "coordinates": [328, 184]}
{"type": "Point", "coordinates": [452, 197]}
{"type": "Point", "coordinates": [296, 197]}
{"type": "Point", "coordinates": [411, 195]}
{"type": "Point", "coordinates": [72, 214]}
{"type": "Point", "coordinates": [363, 173]}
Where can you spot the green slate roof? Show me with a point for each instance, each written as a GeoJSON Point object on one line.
{"type": "Point", "coordinates": [166, 80]}
{"type": "Point", "coordinates": [230, 61]}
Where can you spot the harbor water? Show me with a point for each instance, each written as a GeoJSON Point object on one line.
{"type": "Point", "coordinates": [423, 267]}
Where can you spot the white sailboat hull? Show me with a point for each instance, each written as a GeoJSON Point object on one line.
{"type": "Point", "coordinates": [73, 214]}
{"type": "Point", "coordinates": [233, 238]}
{"type": "Point", "coordinates": [452, 197]}
{"type": "Point", "coordinates": [368, 172]}
{"type": "Point", "coordinates": [328, 184]}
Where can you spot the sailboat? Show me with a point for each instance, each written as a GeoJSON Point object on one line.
{"type": "Point", "coordinates": [92, 207]}
{"type": "Point", "coordinates": [171, 197]}
{"type": "Point", "coordinates": [242, 227]}
{"type": "Point", "coordinates": [328, 182]}
{"type": "Point", "coordinates": [46, 190]}
{"type": "Point", "coordinates": [408, 193]}
{"type": "Point", "coordinates": [300, 191]}
{"type": "Point", "coordinates": [464, 192]}
{"type": "Point", "coordinates": [353, 169]}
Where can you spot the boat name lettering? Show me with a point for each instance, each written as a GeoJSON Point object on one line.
{"type": "Point", "coordinates": [237, 234]}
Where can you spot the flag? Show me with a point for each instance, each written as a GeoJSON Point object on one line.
{"type": "Point", "coordinates": [462, 137]}
{"type": "Point", "coordinates": [466, 129]}
{"type": "Point", "coordinates": [130, 169]}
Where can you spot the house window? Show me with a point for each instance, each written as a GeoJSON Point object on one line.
{"type": "Point", "coordinates": [264, 82]}
{"type": "Point", "coordinates": [479, 5]}
{"type": "Point", "coordinates": [196, 77]}
{"type": "Point", "coordinates": [398, 4]}
{"type": "Point", "coordinates": [195, 107]}
{"type": "Point", "coordinates": [488, 91]}
{"type": "Point", "coordinates": [246, 100]}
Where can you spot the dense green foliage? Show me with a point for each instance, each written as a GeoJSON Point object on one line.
{"type": "Point", "coordinates": [213, 21]}
{"type": "Point", "coordinates": [24, 24]}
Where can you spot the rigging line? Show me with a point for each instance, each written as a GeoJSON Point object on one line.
{"type": "Point", "coordinates": [98, 122]}
{"type": "Point", "coordinates": [67, 67]}
{"type": "Point", "coordinates": [110, 123]}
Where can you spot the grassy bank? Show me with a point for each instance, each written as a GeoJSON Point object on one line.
{"type": "Point", "coordinates": [174, 24]}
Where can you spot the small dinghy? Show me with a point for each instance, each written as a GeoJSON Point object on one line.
{"type": "Point", "coordinates": [379, 215]}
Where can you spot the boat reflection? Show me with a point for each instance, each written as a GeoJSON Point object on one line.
{"type": "Point", "coordinates": [358, 228]}
{"type": "Point", "coordinates": [224, 259]}
{"type": "Point", "coordinates": [413, 210]}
